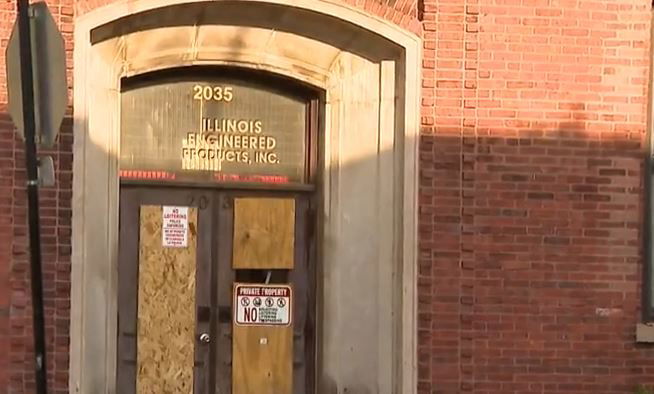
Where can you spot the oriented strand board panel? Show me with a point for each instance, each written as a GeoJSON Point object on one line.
{"type": "Point", "coordinates": [262, 360]}
{"type": "Point", "coordinates": [166, 308]}
{"type": "Point", "coordinates": [264, 233]}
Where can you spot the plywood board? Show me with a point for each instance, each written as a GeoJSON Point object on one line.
{"type": "Point", "coordinates": [262, 360]}
{"type": "Point", "coordinates": [166, 308]}
{"type": "Point", "coordinates": [264, 233]}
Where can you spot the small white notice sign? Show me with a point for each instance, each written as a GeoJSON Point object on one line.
{"type": "Point", "coordinates": [174, 231]}
{"type": "Point", "coordinates": [262, 305]}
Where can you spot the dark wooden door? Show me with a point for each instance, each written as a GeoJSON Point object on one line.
{"type": "Point", "coordinates": [214, 277]}
{"type": "Point", "coordinates": [301, 277]}
{"type": "Point", "coordinates": [164, 297]}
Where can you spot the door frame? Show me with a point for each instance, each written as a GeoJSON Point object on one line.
{"type": "Point", "coordinates": [98, 68]}
{"type": "Point", "coordinates": [306, 262]}
{"type": "Point", "coordinates": [214, 246]}
{"type": "Point", "coordinates": [128, 278]}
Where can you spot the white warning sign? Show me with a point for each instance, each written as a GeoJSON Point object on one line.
{"type": "Point", "coordinates": [174, 231]}
{"type": "Point", "coordinates": [262, 305]}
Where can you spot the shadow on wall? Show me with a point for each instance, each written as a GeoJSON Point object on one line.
{"type": "Point", "coordinates": [529, 263]}
{"type": "Point", "coordinates": [55, 215]}
{"type": "Point", "coordinates": [531, 260]}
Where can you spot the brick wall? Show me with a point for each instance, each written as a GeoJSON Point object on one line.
{"type": "Point", "coordinates": [534, 115]}
{"type": "Point", "coordinates": [16, 344]}
{"type": "Point", "coordinates": [6, 232]}
{"type": "Point", "coordinates": [533, 119]}
{"type": "Point", "coordinates": [401, 12]}
{"type": "Point", "coordinates": [55, 213]}
{"type": "Point", "coordinates": [6, 213]}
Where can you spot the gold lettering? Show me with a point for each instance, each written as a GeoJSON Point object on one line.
{"type": "Point", "coordinates": [228, 125]}
{"type": "Point", "coordinates": [228, 141]}
{"type": "Point", "coordinates": [266, 158]}
{"type": "Point", "coordinates": [213, 93]}
{"type": "Point", "coordinates": [231, 125]}
{"type": "Point", "coordinates": [243, 126]}
{"type": "Point", "coordinates": [197, 89]}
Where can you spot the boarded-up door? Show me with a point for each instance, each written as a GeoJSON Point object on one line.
{"type": "Point", "coordinates": [168, 297]}
{"type": "Point", "coordinates": [164, 293]}
{"type": "Point", "coordinates": [254, 233]}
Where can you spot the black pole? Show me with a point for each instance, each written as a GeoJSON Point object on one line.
{"type": "Point", "coordinates": [648, 233]}
{"type": "Point", "coordinates": [27, 86]}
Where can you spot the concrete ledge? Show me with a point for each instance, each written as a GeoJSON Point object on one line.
{"type": "Point", "coordinates": [645, 333]}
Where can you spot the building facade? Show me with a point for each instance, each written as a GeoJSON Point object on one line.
{"type": "Point", "coordinates": [467, 180]}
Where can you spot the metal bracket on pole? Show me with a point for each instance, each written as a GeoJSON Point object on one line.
{"type": "Point", "coordinates": [37, 99]}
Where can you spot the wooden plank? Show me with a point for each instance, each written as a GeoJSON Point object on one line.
{"type": "Point", "coordinates": [127, 290]}
{"type": "Point", "coordinates": [264, 233]}
{"type": "Point", "coordinates": [223, 293]}
{"type": "Point", "coordinates": [263, 360]}
{"type": "Point", "coordinates": [204, 285]}
{"type": "Point", "coordinates": [302, 283]}
{"type": "Point", "coordinates": [166, 308]}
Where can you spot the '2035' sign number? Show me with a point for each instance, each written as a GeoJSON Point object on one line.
{"type": "Point", "coordinates": [213, 93]}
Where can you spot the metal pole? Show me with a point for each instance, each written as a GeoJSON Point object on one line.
{"type": "Point", "coordinates": [648, 233]}
{"type": "Point", "coordinates": [27, 86]}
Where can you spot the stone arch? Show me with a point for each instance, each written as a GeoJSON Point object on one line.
{"type": "Point", "coordinates": [369, 71]}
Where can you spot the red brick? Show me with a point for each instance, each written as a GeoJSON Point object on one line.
{"type": "Point", "coordinates": [529, 224]}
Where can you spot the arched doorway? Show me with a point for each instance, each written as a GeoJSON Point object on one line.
{"type": "Point", "coordinates": [218, 195]}
{"type": "Point", "coordinates": [366, 330]}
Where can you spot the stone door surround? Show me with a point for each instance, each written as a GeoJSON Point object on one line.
{"type": "Point", "coordinates": [369, 71]}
